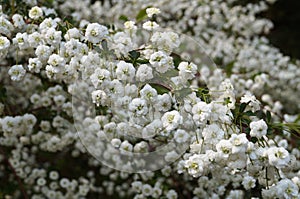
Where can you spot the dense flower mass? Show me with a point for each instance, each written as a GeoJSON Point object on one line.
{"type": "Point", "coordinates": [145, 99]}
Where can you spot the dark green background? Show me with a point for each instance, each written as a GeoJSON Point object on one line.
{"type": "Point", "coordinates": [285, 15]}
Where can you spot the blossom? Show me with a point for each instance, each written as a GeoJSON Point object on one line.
{"type": "Point", "coordinates": [278, 157]}
{"type": "Point", "coordinates": [99, 97]}
{"type": "Point", "coordinates": [138, 106]}
{"type": "Point", "coordinates": [95, 32]}
{"type": "Point", "coordinates": [187, 70]}
{"type": "Point", "coordinates": [150, 25]}
{"type": "Point", "coordinates": [152, 11]}
{"type": "Point", "coordinates": [258, 128]}
{"type": "Point", "coordinates": [125, 71]}
{"type": "Point", "coordinates": [35, 12]}
{"type": "Point", "coordinates": [171, 120]}
{"type": "Point", "coordinates": [17, 72]}
{"type": "Point", "coordinates": [4, 43]}
{"type": "Point", "coordinates": [195, 165]}
{"type": "Point", "coordinates": [161, 62]}
{"type": "Point", "coordinates": [144, 73]}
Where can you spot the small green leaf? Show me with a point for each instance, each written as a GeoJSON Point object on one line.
{"type": "Point", "coordinates": [268, 117]}
{"type": "Point", "coordinates": [243, 107]}
{"type": "Point", "coordinates": [141, 15]}
{"type": "Point", "coordinates": [123, 18]}
{"type": "Point", "coordinates": [159, 88]}
{"type": "Point", "coordinates": [134, 55]}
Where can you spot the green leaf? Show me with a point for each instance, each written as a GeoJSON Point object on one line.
{"type": "Point", "coordinates": [123, 18]}
{"type": "Point", "coordinates": [134, 55]}
{"type": "Point", "coordinates": [159, 88]}
{"type": "Point", "coordinates": [243, 107]}
{"type": "Point", "coordinates": [141, 15]}
{"type": "Point", "coordinates": [268, 118]}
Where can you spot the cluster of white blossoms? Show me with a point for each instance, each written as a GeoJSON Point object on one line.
{"type": "Point", "coordinates": [95, 109]}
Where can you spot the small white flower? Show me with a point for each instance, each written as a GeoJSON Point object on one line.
{"type": "Point", "coordinates": [17, 72]}
{"type": "Point", "coordinates": [187, 70]}
{"type": "Point", "coordinates": [138, 106]}
{"type": "Point", "coordinates": [239, 143]}
{"type": "Point", "coordinates": [161, 62]}
{"type": "Point", "coordinates": [100, 77]}
{"type": "Point", "coordinates": [163, 102]}
{"type": "Point", "coordinates": [171, 120]}
{"type": "Point", "coordinates": [125, 71]}
{"type": "Point", "coordinates": [248, 182]}
{"type": "Point", "coordinates": [278, 157]}
{"type": "Point", "coordinates": [258, 129]}
{"type": "Point", "coordinates": [148, 93]}
{"type": "Point", "coordinates": [4, 43]}
{"type": "Point", "coordinates": [152, 11]}
{"type": "Point", "coordinates": [181, 136]}
{"type": "Point", "coordinates": [96, 32]}
{"type": "Point", "coordinates": [144, 73]}
{"type": "Point", "coordinates": [195, 165]}
{"type": "Point", "coordinates": [130, 25]}
{"type": "Point", "coordinates": [224, 148]}
{"type": "Point", "coordinates": [35, 12]}
{"type": "Point", "coordinates": [150, 25]}
{"type": "Point", "coordinates": [99, 97]}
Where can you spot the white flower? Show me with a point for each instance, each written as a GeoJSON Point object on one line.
{"type": "Point", "coordinates": [224, 148]}
{"type": "Point", "coordinates": [148, 93]}
{"type": "Point", "coordinates": [18, 21]}
{"type": "Point", "coordinates": [100, 77]}
{"type": "Point", "coordinates": [212, 134]}
{"type": "Point", "coordinates": [96, 32]}
{"type": "Point", "coordinates": [99, 97]}
{"type": "Point", "coordinates": [287, 189]}
{"type": "Point", "coordinates": [147, 190]}
{"type": "Point", "coordinates": [125, 71]}
{"type": "Point", "coordinates": [171, 156]}
{"type": "Point", "coordinates": [201, 113]}
{"type": "Point", "coordinates": [35, 12]}
{"type": "Point", "coordinates": [126, 146]}
{"type": "Point", "coordinates": [161, 62]}
{"type": "Point", "coordinates": [53, 37]}
{"type": "Point", "coordinates": [172, 194]}
{"type": "Point", "coordinates": [43, 52]}
{"type": "Point", "coordinates": [4, 43]}
{"type": "Point", "coordinates": [56, 60]}
{"type": "Point", "coordinates": [195, 165]}
{"type": "Point", "coordinates": [248, 182]}
{"type": "Point", "coordinates": [21, 40]}
{"type": "Point", "coordinates": [138, 106]}
{"type": "Point", "coordinates": [35, 39]}
{"type": "Point", "coordinates": [150, 25]}
{"type": "Point", "coordinates": [144, 73]}
{"type": "Point", "coordinates": [73, 33]}
{"type": "Point", "coordinates": [187, 70]}
{"type": "Point", "coordinates": [258, 129]}
{"type": "Point", "coordinates": [163, 102]}
{"type": "Point", "coordinates": [152, 11]}
{"type": "Point", "coordinates": [181, 136]}
{"type": "Point", "coordinates": [278, 157]}
{"type": "Point", "coordinates": [130, 25]}
{"type": "Point", "coordinates": [171, 120]}
{"type": "Point", "coordinates": [239, 143]}
{"type": "Point", "coordinates": [253, 102]}
{"type": "Point", "coordinates": [17, 72]}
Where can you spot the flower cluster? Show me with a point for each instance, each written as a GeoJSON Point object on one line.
{"type": "Point", "coordinates": [130, 110]}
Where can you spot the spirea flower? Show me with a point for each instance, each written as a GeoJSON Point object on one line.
{"type": "Point", "coordinates": [16, 72]}
{"type": "Point", "coordinates": [95, 32]}
{"type": "Point", "coordinates": [258, 128]}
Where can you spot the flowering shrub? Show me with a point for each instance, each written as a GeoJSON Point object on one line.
{"type": "Point", "coordinates": [128, 103]}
